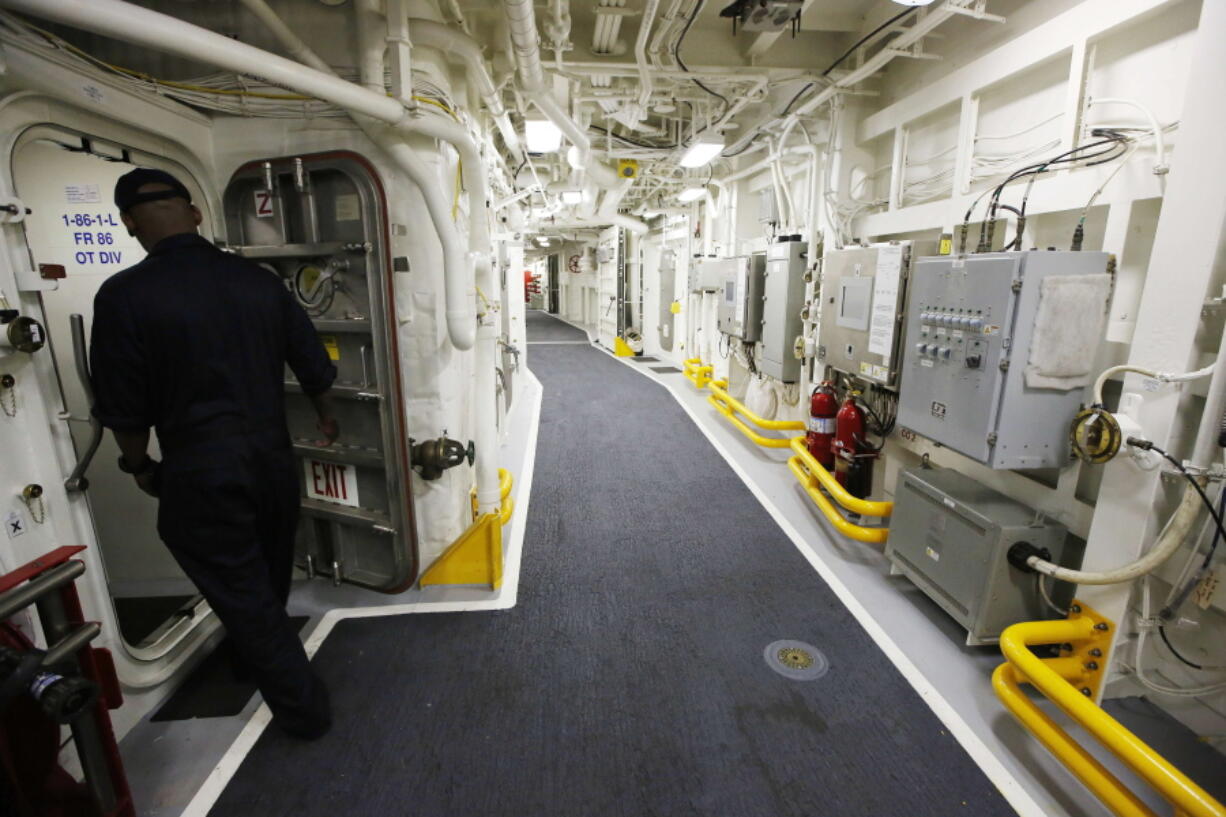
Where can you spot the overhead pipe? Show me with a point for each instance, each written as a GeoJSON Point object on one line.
{"type": "Point", "coordinates": [151, 29]}
{"type": "Point", "coordinates": [640, 57]}
{"type": "Point", "coordinates": [430, 34]}
{"type": "Point", "coordinates": [521, 25]}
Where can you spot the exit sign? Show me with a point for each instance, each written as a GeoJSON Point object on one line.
{"type": "Point", "coordinates": [332, 482]}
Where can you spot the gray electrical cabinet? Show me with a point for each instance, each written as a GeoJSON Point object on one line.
{"type": "Point", "coordinates": [863, 292]}
{"type": "Point", "coordinates": [950, 535]}
{"type": "Point", "coordinates": [707, 274]}
{"type": "Point", "coordinates": [739, 311]}
{"type": "Point", "coordinates": [973, 378]}
{"type": "Point", "coordinates": [782, 301]}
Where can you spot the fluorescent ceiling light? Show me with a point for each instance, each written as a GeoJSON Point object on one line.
{"type": "Point", "coordinates": [572, 196]}
{"type": "Point", "coordinates": [702, 151]}
{"type": "Point", "coordinates": [913, 2]}
{"type": "Point", "coordinates": [542, 136]}
{"type": "Point", "coordinates": [691, 194]}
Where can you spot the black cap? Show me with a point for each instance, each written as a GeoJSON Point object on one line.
{"type": "Point", "coordinates": [127, 197]}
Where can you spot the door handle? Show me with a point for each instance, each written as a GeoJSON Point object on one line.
{"type": "Point", "coordinates": [76, 480]}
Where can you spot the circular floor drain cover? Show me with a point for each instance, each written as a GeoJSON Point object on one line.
{"type": "Point", "coordinates": [796, 660]}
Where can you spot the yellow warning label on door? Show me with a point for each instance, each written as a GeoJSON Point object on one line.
{"type": "Point", "coordinates": [329, 341]}
{"type": "Point", "coordinates": [946, 246]}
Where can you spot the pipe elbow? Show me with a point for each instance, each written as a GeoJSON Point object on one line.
{"type": "Point", "coordinates": [461, 328]}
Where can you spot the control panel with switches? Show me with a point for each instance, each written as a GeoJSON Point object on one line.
{"type": "Point", "coordinates": [969, 332]}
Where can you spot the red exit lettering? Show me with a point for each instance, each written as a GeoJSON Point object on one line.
{"type": "Point", "coordinates": [329, 480]}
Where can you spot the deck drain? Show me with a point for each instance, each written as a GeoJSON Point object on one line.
{"type": "Point", "coordinates": [796, 660]}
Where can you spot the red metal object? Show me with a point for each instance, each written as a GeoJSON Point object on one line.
{"type": "Point", "coordinates": [532, 285]}
{"type": "Point", "coordinates": [823, 407]}
{"type": "Point", "coordinates": [97, 666]}
{"type": "Point", "coordinates": [853, 454]}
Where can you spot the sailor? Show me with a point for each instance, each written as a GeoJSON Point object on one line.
{"type": "Point", "coordinates": [193, 342]}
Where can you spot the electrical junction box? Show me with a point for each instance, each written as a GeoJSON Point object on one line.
{"type": "Point", "coordinates": [951, 535]}
{"type": "Point", "coordinates": [709, 274]}
{"type": "Point", "coordinates": [740, 302]}
{"type": "Point", "coordinates": [860, 326]}
{"type": "Point", "coordinates": [783, 299]}
{"type": "Point", "coordinates": [770, 15]}
{"type": "Point", "coordinates": [999, 348]}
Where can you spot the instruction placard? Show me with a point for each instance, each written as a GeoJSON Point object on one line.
{"type": "Point", "coordinates": [885, 300]}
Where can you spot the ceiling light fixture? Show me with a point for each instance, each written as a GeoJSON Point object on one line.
{"type": "Point", "coordinates": [691, 194]}
{"type": "Point", "coordinates": [572, 196]}
{"type": "Point", "coordinates": [914, 2]}
{"type": "Point", "coordinates": [542, 136]}
{"type": "Point", "coordinates": [702, 151]}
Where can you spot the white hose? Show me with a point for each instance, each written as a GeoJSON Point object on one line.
{"type": "Point", "coordinates": [1175, 533]}
{"type": "Point", "coordinates": [1165, 377]}
{"type": "Point", "coordinates": [1160, 165]}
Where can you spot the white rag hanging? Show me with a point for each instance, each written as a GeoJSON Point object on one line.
{"type": "Point", "coordinates": [1069, 323]}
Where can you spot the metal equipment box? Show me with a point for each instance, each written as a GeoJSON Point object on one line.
{"type": "Point", "coordinates": [863, 291]}
{"type": "Point", "coordinates": [970, 329]}
{"type": "Point", "coordinates": [782, 301]}
{"type": "Point", "coordinates": [707, 274]}
{"type": "Point", "coordinates": [951, 535]}
{"type": "Point", "coordinates": [740, 302]}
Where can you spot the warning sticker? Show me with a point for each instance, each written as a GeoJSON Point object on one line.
{"type": "Point", "coordinates": [14, 524]}
{"type": "Point", "coordinates": [82, 194]}
{"type": "Point", "coordinates": [348, 207]}
{"type": "Point", "coordinates": [263, 204]}
{"type": "Point", "coordinates": [885, 301]}
{"type": "Point", "coordinates": [332, 482]}
{"type": "Point", "coordinates": [329, 342]}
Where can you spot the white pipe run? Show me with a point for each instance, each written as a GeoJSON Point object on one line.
{"type": "Point", "coordinates": [640, 57]}
{"type": "Point", "coordinates": [521, 23]}
{"type": "Point", "coordinates": [436, 35]}
{"type": "Point", "coordinates": [145, 27]}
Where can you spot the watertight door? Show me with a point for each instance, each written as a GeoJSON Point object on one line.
{"type": "Point", "coordinates": [319, 223]}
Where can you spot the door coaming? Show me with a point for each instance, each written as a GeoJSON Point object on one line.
{"type": "Point", "coordinates": [319, 222]}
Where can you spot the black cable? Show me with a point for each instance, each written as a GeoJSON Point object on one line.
{"type": "Point", "coordinates": [1146, 445]}
{"type": "Point", "coordinates": [630, 141]}
{"type": "Point", "coordinates": [1175, 652]}
{"type": "Point", "coordinates": [868, 37]}
{"type": "Point", "coordinates": [1171, 608]}
{"type": "Point", "coordinates": [677, 56]}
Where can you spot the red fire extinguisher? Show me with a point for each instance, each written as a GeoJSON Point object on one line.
{"type": "Point", "coordinates": [853, 454]}
{"type": "Point", "coordinates": [823, 406]}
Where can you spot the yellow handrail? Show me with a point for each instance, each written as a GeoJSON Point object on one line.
{"type": "Point", "coordinates": [727, 411]}
{"type": "Point", "coordinates": [718, 389]}
{"type": "Point", "coordinates": [1070, 682]}
{"type": "Point", "coordinates": [851, 531]}
{"type": "Point", "coordinates": [864, 507]}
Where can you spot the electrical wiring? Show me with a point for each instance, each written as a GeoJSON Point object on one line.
{"type": "Point", "coordinates": [1046, 596]}
{"type": "Point", "coordinates": [1139, 659]}
{"type": "Point", "coordinates": [677, 56]}
{"type": "Point", "coordinates": [869, 36]}
{"type": "Point", "coordinates": [1175, 652]}
{"type": "Point", "coordinates": [1146, 445]}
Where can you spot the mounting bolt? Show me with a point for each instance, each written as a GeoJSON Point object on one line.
{"type": "Point", "coordinates": [1096, 652]}
{"type": "Point", "coordinates": [1076, 608]}
{"type": "Point", "coordinates": [1091, 665]}
{"type": "Point", "coordinates": [1086, 691]}
{"type": "Point", "coordinates": [1102, 625]}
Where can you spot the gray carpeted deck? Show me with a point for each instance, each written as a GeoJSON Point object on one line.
{"type": "Point", "coordinates": [545, 328]}
{"type": "Point", "coordinates": [629, 681]}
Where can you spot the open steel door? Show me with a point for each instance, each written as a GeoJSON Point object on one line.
{"type": "Point", "coordinates": [319, 223]}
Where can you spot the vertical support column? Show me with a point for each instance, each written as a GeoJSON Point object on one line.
{"type": "Point", "coordinates": [1186, 251]}
{"type": "Point", "coordinates": [1075, 95]}
{"type": "Point", "coordinates": [898, 167]}
{"type": "Point", "coordinates": [964, 159]}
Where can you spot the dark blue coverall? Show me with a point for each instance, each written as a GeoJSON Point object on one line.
{"type": "Point", "coordinates": [193, 342]}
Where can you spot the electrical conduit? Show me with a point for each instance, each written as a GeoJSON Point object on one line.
{"type": "Point", "coordinates": [145, 27]}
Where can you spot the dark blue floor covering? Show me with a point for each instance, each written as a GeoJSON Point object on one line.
{"type": "Point", "coordinates": [543, 327]}
{"type": "Point", "coordinates": [629, 680]}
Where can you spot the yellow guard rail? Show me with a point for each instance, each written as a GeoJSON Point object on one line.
{"type": "Point", "coordinates": [864, 507]}
{"type": "Point", "coordinates": [698, 373]}
{"type": "Point", "coordinates": [1071, 682]}
{"type": "Point", "coordinates": [730, 407]}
